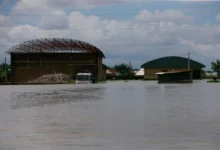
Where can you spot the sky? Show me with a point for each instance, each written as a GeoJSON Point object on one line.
{"type": "Point", "coordinates": [126, 31]}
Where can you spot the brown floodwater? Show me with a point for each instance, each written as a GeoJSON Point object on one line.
{"type": "Point", "coordinates": [133, 115]}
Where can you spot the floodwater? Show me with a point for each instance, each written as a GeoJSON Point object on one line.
{"type": "Point", "coordinates": [131, 115]}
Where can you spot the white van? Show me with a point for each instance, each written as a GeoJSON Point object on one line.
{"type": "Point", "coordinates": [84, 78]}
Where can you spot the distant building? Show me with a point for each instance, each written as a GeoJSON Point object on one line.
{"type": "Point", "coordinates": [172, 63]}
{"type": "Point", "coordinates": [140, 73]}
{"type": "Point", "coordinates": [111, 74]}
{"type": "Point", "coordinates": [135, 71]}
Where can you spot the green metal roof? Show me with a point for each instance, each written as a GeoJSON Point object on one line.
{"type": "Point", "coordinates": [172, 62]}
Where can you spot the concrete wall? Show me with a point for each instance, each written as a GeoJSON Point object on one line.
{"type": "Point", "coordinates": [27, 67]}
{"type": "Point", "coordinates": [149, 72]}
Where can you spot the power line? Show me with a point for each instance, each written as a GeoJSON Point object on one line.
{"type": "Point", "coordinates": [69, 7]}
{"type": "Point", "coordinates": [204, 56]}
{"type": "Point", "coordinates": [104, 28]}
{"type": "Point", "coordinates": [101, 14]}
{"type": "Point", "coordinates": [117, 45]}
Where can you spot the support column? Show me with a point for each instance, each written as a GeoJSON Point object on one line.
{"type": "Point", "coordinates": [99, 68]}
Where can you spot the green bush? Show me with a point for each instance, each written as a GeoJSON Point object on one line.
{"type": "Point", "coordinates": [121, 77]}
{"type": "Point", "coordinates": [139, 77]}
{"type": "Point", "coordinates": [70, 82]}
{"type": "Point", "coordinates": [209, 77]}
{"type": "Point", "coordinates": [2, 76]}
{"type": "Point", "coordinates": [150, 78]}
{"type": "Point", "coordinates": [213, 81]}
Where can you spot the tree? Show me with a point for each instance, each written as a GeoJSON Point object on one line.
{"type": "Point", "coordinates": [4, 71]}
{"type": "Point", "coordinates": [216, 67]}
{"type": "Point", "coordinates": [136, 69]}
{"type": "Point", "coordinates": [124, 69]}
{"type": "Point", "coordinates": [203, 73]}
{"type": "Point", "coordinates": [107, 67]}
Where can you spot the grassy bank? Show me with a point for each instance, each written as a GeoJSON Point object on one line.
{"type": "Point", "coordinates": [213, 81]}
{"type": "Point", "coordinates": [70, 82]}
{"type": "Point", "coordinates": [149, 78]}
{"type": "Point", "coordinates": [99, 82]}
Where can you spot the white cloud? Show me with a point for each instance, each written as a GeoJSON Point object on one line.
{"type": "Point", "coordinates": [30, 4]}
{"type": "Point", "coordinates": [201, 48]}
{"type": "Point", "coordinates": [30, 10]}
{"type": "Point", "coordinates": [55, 20]}
{"type": "Point", "coordinates": [168, 15]}
{"type": "Point", "coordinates": [218, 17]}
{"type": "Point", "coordinates": [47, 4]}
{"type": "Point", "coordinates": [196, 0]}
{"type": "Point", "coordinates": [5, 21]}
{"type": "Point", "coordinates": [128, 40]}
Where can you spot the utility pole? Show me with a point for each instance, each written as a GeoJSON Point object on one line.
{"type": "Point", "coordinates": [188, 61]}
{"type": "Point", "coordinates": [190, 76]}
{"type": "Point", "coordinates": [131, 69]}
{"type": "Point", "coordinates": [6, 70]}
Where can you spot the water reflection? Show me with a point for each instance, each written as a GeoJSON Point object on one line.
{"type": "Point", "coordinates": [32, 99]}
{"type": "Point", "coordinates": [116, 115]}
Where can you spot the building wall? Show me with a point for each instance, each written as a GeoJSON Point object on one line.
{"type": "Point", "coordinates": [149, 72]}
{"type": "Point", "coordinates": [100, 73]}
{"type": "Point", "coordinates": [103, 74]}
{"type": "Point", "coordinates": [30, 66]}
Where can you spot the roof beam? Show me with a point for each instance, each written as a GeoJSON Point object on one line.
{"type": "Point", "coordinates": [54, 44]}
{"type": "Point", "coordinates": [35, 46]}
{"type": "Point", "coordinates": [66, 43]}
{"type": "Point", "coordinates": [83, 47]}
{"type": "Point", "coordinates": [47, 42]}
{"type": "Point", "coordinates": [75, 46]}
{"type": "Point", "coordinates": [31, 48]}
{"type": "Point", "coordinates": [60, 43]}
{"type": "Point", "coordinates": [38, 43]}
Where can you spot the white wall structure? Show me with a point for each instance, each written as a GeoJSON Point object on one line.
{"type": "Point", "coordinates": [140, 72]}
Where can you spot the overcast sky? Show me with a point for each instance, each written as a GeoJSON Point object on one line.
{"type": "Point", "coordinates": [125, 30]}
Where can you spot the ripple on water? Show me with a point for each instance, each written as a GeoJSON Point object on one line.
{"type": "Point", "coordinates": [33, 99]}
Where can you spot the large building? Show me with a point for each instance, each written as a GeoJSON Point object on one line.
{"type": "Point", "coordinates": [172, 63]}
{"type": "Point", "coordinates": [32, 59]}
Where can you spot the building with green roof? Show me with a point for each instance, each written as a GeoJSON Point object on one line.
{"type": "Point", "coordinates": [172, 63]}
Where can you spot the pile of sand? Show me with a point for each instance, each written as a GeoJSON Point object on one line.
{"type": "Point", "coordinates": [52, 79]}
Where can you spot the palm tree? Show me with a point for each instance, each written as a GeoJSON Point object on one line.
{"type": "Point", "coordinates": [216, 67]}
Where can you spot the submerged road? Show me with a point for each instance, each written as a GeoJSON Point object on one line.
{"type": "Point", "coordinates": [131, 115]}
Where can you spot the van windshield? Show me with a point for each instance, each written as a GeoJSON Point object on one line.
{"type": "Point", "coordinates": [82, 77]}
